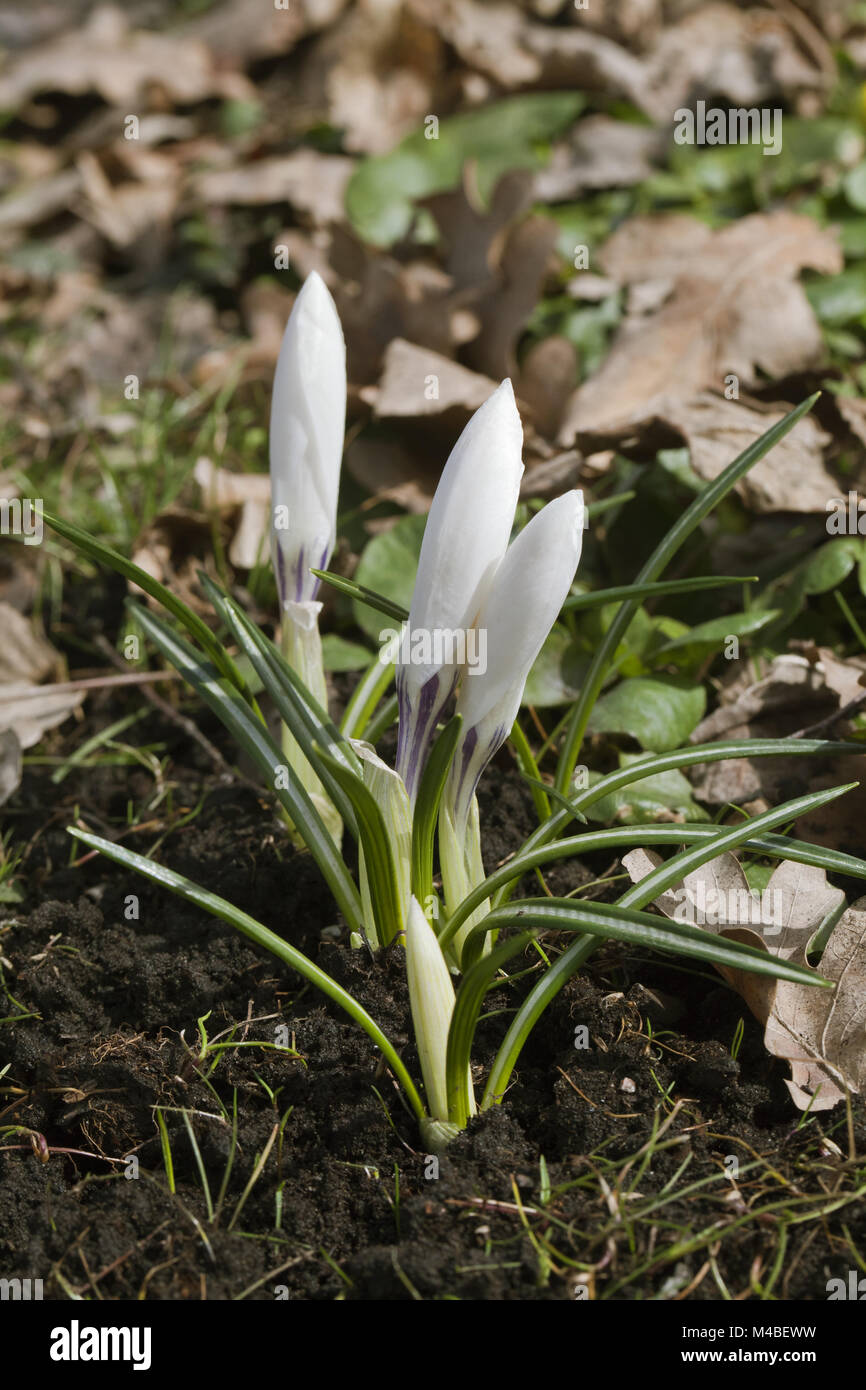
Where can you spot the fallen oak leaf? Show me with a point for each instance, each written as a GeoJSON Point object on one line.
{"type": "Point", "coordinates": [822, 1038]}
{"type": "Point", "coordinates": [735, 307]}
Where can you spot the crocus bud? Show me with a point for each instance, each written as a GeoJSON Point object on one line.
{"type": "Point", "coordinates": [528, 592]}
{"type": "Point", "coordinates": [308, 421]}
{"type": "Point", "coordinates": [431, 996]}
{"type": "Point", "coordinates": [465, 538]}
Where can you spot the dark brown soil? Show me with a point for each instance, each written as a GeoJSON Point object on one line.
{"type": "Point", "coordinates": [346, 1204]}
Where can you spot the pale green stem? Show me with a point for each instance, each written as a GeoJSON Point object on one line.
{"type": "Point", "coordinates": [462, 870]}
{"type": "Point", "coordinates": [302, 648]}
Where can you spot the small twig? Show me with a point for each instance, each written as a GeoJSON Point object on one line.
{"type": "Point", "coordinates": [825, 725]}
{"type": "Point", "coordinates": [91, 683]}
{"type": "Point", "coordinates": [189, 727]}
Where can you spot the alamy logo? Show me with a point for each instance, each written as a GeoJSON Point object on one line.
{"type": "Point", "coordinates": [738, 125]}
{"type": "Point", "coordinates": [22, 516]}
{"type": "Point", "coordinates": [853, 1289]}
{"type": "Point", "coordinates": [77, 1343]}
{"type": "Point", "coordinates": [846, 516]}
{"type": "Point", "coordinates": [437, 646]}
{"type": "Point", "coordinates": [21, 1289]}
{"type": "Point", "coordinates": [717, 907]}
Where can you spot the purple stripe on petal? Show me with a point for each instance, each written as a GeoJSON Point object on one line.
{"type": "Point", "coordinates": [473, 761]}
{"type": "Point", "coordinates": [282, 581]}
{"type": "Point", "coordinates": [417, 719]}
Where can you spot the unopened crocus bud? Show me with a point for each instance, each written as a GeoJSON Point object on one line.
{"type": "Point", "coordinates": [308, 421]}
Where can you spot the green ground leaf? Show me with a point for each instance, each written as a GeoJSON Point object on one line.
{"type": "Point", "coordinates": [643, 802]}
{"type": "Point", "coordinates": [340, 655]}
{"type": "Point", "coordinates": [506, 135]}
{"type": "Point", "coordinates": [830, 564]}
{"type": "Point", "coordinates": [388, 565]}
{"type": "Point", "coordinates": [555, 677]}
{"type": "Point", "coordinates": [659, 711]}
{"type": "Point", "coordinates": [839, 299]}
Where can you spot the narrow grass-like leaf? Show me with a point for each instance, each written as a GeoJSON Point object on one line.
{"type": "Point", "coordinates": [427, 808]}
{"type": "Point", "coordinates": [529, 768]}
{"type": "Point", "coordinates": [609, 921]}
{"type": "Point", "coordinates": [264, 937]}
{"type": "Point", "coordinates": [388, 910]}
{"type": "Point", "coordinates": [691, 756]}
{"type": "Point", "coordinates": [383, 720]}
{"type": "Point", "coordinates": [579, 951]}
{"type": "Point", "coordinates": [253, 737]}
{"type": "Point", "coordinates": [612, 922]}
{"type": "Point", "coordinates": [195, 626]}
{"type": "Point", "coordinates": [774, 846]}
{"type": "Point", "coordinates": [675, 869]}
{"type": "Point", "coordinates": [365, 697]}
{"type": "Point", "coordinates": [310, 725]}
{"type": "Point", "coordinates": [464, 1020]}
{"type": "Point", "coordinates": [691, 518]}
{"type": "Point", "coordinates": [599, 597]}
{"type": "Point", "coordinates": [363, 595]}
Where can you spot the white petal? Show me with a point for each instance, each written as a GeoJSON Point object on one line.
{"type": "Point", "coordinates": [470, 519]}
{"type": "Point", "coordinates": [465, 538]}
{"type": "Point", "coordinates": [308, 418]}
{"type": "Point", "coordinates": [530, 588]}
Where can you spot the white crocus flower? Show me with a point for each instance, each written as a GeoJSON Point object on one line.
{"type": "Point", "coordinates": [308, 423]}
{"type": "Point", "coordinates": [308, 420]}
{"type": "Point", "coordinates": [528, 592]}
{"type": "Point", "coordinates": [431, 996]}
{"type": "Point", "coordinates": [465, 538]}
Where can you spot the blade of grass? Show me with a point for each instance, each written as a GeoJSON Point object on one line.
{"type": "Point", "coordinates": [599, 597]}
{"type": "Point", "coordinates": [664, 552]}
{"type": "Point", "coordinates": [365, 697]}
{"type": "Point", "coordinates": [252, 735]}
{"type": "Point", "coordinates": [195, 626]}
{"type": "Point", "coordinates": [775, 846]}
{"type": "Point", "coordinates": [362, 594]}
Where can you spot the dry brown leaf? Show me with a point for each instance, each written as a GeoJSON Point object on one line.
{"type": "Point", "coordinates": [248, 495]}
{"type": "Point", "coordinates": [821, 1035]}
{"type": "Point", "coordinates": [34, 203]}
{"type": "Point", "coordinates": [108, 57]}
{"type": "Point", "coordinates": [24, 654]}
{"type": "Point", "coordinates": [505, 307]}
{"type": "Point", "coordinates": [125, 212]}
{"type": "Point", "coordinates": [735, 308]}
{"type": "Point", "coordinates": [30, 710]}
{"type": "Point", "coordinates": [791, 478]}
{"type": "Point", "coordinates": [237, 32]}
{"type": "Point", "coordinates": [601, 153]}
{"type": "Point", "coordinates": [795, 693]}
{"type": "Point", "coordinates": [418, 382]}
{"type": "Point", "coordinates": [745, 56]}
{"type": "Point", "coordinates": [311, 182]}
{"type": "Point", "coordinates": [376, 67]}
{"type": "Point", "coordinates": [10, 764]}
{"type": "Point", "coordinates": [546, 381]}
